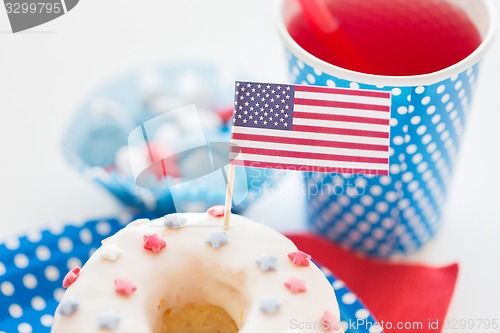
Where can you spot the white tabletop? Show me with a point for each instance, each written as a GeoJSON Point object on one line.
{"type": "Point", "coordinates": [46, 73]}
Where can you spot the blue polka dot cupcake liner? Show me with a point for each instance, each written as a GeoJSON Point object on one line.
{"type": "Point", "coordinates": [96, 142]}
{"type": "Point", "coordinates": [396, 214]}
{"type": "Point", "coordinates": [32, 269]}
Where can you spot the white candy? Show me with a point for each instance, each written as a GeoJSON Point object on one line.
{"type": "Point", "coordinates": [206, 118]}
{"type": "Point", "coordinates": [124, 157]}
{"type": "Point", "coordinates": [209, 119]}
{"type": "Point", "coordinates": [192, 88]}
{"type": "Point", "coordinates": [168, 136]}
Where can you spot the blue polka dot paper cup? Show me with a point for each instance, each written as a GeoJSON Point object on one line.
{"type": "Point", "coordinates": [395, 214]}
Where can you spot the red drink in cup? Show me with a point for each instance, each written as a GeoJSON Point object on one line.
{"type": "Point", "coordinates": [388, 37]}
{"type": "Point", "coordinates": [426, 53]}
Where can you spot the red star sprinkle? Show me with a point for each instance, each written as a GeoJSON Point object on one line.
{"type": "Point", "coordinates": [216, 211]}
{"type": "Point", "coordinates": [154, 243]}
{"type": "Point", "coordinates": [300, 258]}
{"type": "Point", "coordinates": [329, 322]}
{"type": "Point", "coordinates": [124, 286]}
{"type": "Point", "coordinates": [296, 285]}
{"type": "Point", "coordinates": [71, 277]}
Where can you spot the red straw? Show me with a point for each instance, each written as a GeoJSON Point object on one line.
{"type": "Point", "coordinates": [320, 18]}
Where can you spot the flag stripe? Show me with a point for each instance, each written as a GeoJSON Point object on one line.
{"type": "Point", "coordinates": [347, 105]}
{"type": "Point", "coordinates": [308, 148]}
{"type": "Point", "coordinates": [341, 98]}
{"type": "Point", "coordinates": [340, 91]}
{"type": "Point", "coordinates": [306, 142]}
{"type": "Point", "coordinates": [306, 135]}
{"type": "Point", "coordinates": [340, 124]}
{"type": "Point", "coordinates": [340, 117]}
{"type": "Point", "coordinates": [341, 111]}
{"type": "Point", "coordinates": [304, 161]}
{"type": "Point", "coordinates": [340, 131]}
{"type": "Point", "coordinates": [309, 155]}
{"type": "Point", "coordinates": [309, 168]}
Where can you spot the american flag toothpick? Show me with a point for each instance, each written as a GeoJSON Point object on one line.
{"type": "Point", "coordinates": [309, 128]}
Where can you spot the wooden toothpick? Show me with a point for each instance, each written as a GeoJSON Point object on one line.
{"type": "Point", "coordinates": [229, 196]}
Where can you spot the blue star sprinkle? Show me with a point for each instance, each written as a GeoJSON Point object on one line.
{"type": "Point", "coordinates": [266, 262]}
{"type": "Point", "coordinates": [108, 320]}
{"type": "Point", "coordinates": [269, 305]}
{"type": "Point", "coordinates": [68, 307]}
{"type": "Point", "coordinates": [216, 239]}
{"type": "Point", "coordinates": [174, 221]}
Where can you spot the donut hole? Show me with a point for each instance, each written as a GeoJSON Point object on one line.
{"type": "Point", "coordinates": [204, 298]}
{"type": "Point", "coordinates": [198, 319]}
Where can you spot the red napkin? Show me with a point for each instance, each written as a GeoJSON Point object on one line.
{"type": "Point", "coordinates": [394, 293]}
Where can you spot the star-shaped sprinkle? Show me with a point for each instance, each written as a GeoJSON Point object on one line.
{"type": "Point", "coordinates": [174, 221]}
{"type": "Point", "coordinates": [269, 305]}
{"type": "Point", "coordinates": [68, 306]}
{"type": "Point", "coordinates": [108, 320]}
{"type": "Point", "coordinates": [266, 262]}
{"type": "Point", "coordinates": [329, 322]}
{"type": "Point", "coordinates": [110, 252]}
{"type": "Point", "coordinates": [216, 239]}
{"type": "Point", "coordinates": [300, 258]}
{"type": "Point", "coordinates": [71, 277]}
{"type": "Point", "coordinates": [216, 211]}
{"type": "Point", "coordinates": [153, 243]}
{"type": "Point", "coordinates": [296, 285]}
{"type": "Point", "coordinates": [124, 286]}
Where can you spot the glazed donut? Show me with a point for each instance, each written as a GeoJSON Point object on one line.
{"type": "Point", "coordinates": [185, 273]}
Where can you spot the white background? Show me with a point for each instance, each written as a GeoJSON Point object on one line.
{"type": "Point", "coordinates": [46, 73]}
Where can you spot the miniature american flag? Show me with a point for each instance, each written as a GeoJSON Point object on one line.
{"type": "Point", "coordinates": [310, 128]}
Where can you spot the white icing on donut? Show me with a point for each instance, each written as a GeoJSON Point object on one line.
{"type": "Point", "coordinates": [189, 270]}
